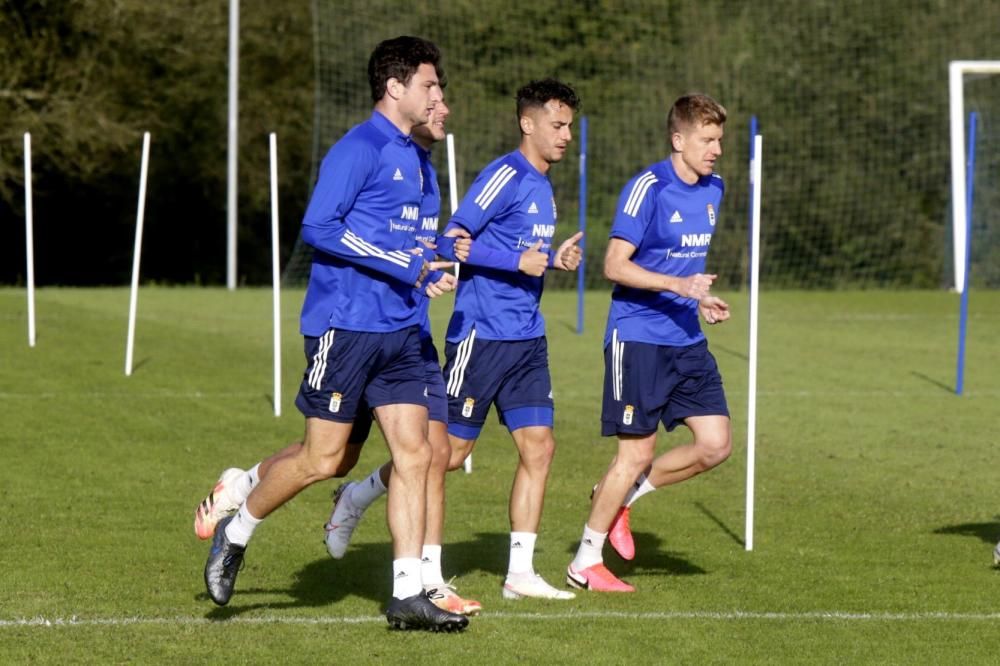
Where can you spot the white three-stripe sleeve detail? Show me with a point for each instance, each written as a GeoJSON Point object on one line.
{"type": "Point", "coordinates": [364, 248]}
{"type": "Point", "coordinates": [494, 185]}
{"type": "Point", "coordinates": [638, 193]}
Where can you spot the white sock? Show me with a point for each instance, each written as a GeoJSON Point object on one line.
{"type": "Point", "coordinates": [522, 553]}
{"type": "Point", "coordinates": [430, 565]}
{"type": "Point", "coordinates": [241, 527]}
{"type": "Point", "coordinates": [245, 483]}
{"type": "Point", "coordinates": [254, 475]}
{"type": "Point", "coordinates": [406, 577]}
{"type": "Point", "coordinates": [365, 492]}
{"type": "Point", "coordinates": [590, 551]}
{"type": "Point", "coordinates": [641, 487]}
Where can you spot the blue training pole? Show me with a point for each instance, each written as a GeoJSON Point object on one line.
{"type": "Point", "coordinates": [963, 317]}
{"type": "Point", "coordinates": [750, 248]}
{"type": "Point", "coordinates": [583, 225]}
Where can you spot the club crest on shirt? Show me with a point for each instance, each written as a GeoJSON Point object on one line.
{"type": "Point", "coordinates": [627, 415]}
{"type": "Point", "coordinates": [335, 399]}
{"type": "Point", "coordinates": [711, 214]}
{"type": "Point", "coordinates": [467, 407]}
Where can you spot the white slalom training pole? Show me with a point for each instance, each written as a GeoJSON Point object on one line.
{"type": "Point", "coordinates": [452, 177]}
{"type": "Point", "coordinates": [275, 275]}
{"type": "Point", "coordinates": [754, 300]}
{"type": "Point", "coordinates": [233, 144]}
{"type": "Point", "coordinates": [29, 238]}
{"type": "Point", "coordinates": [137, 253]}
{"type": "Point", "coordinates": [453, 194]}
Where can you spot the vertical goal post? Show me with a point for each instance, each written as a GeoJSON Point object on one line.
{"type": "Point", "coordinates": [957, 69]}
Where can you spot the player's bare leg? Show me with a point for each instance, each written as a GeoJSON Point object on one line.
{"type": "Point", "coordinates": [711, 447]}
{"type": "Point", "coordinates": [442, 593]}
{"type": "Point", "coordinates": [587, 570]}
{"type": "Point", "coordinates": [535, 447]}
{"type": "Point", "coordinates": [405, 429]}
{"type": "Point", "coordinates": [317, 459]}
{"type": "Point", "coordinates": [460, 450]}
{"type": "Point", "coordinates": [635, 453]}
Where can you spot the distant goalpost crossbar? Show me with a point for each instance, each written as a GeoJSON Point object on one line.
{"type": "Point", "coordinates": [957, 69]}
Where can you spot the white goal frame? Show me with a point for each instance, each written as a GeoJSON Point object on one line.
{"type": "Point", "coordinates": [957, 69]}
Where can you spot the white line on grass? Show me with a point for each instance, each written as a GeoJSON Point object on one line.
{"type": "Point", "coordinates": [139, 395]}
{"type": "Point", "coordinates": [836, 616]}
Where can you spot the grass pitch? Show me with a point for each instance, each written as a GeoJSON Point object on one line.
{"type": "Point", "coordinates": [877, 503]}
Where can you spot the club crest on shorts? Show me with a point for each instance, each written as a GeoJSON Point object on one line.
{"type": "Point", "coordinates": [335, 399]}
{"type": "Point", "coordinates": [467, 407]}
{"type": "Point", "coordinates": [627, 415]}
{"type": "Point", "coordinates": [711, 214]}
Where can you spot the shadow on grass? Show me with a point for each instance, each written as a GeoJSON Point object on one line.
{"type": "Point", "coordinates": [931, 380]}
{"type": "Point", "coordinates": [649, 557]}
{"type": "Point", "coordinates": [987, 532]}
{"type": "Point", "coordinates": [365, 572]}
{"type": "Point", "coordinates": [732, 352]}
{"type": "Point", "coordinates": [725, 528]}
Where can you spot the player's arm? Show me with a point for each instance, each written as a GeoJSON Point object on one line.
{"type": "Point", "coordinates": [531, 261]}
{"type": "Point", "coordinates": [438, 282]}
{"type": "Point", "coordinates": [620, 269]}
{"type": "Point", "coordinates": [489, 196]}
{"type": "Point", "coordinates": [453, 244]}
{"type": "Point", "coordinates": [342, 176]}
{"type": "Point", "coordinates": [713, 309]}
{"type": "Point", "coordinates": [569, 254]}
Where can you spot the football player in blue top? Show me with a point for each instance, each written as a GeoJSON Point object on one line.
{"type": "Point", "coordinates": [353, 498]}
{"type": "Point", "coordinates": [656, 360]}
{"type": "Point", "coordinates": [361, 323]}
{"type": "Point", "coordinates": [496, 349]}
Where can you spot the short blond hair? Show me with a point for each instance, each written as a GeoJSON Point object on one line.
{"type": "Point", "coordinates": [694, 110]}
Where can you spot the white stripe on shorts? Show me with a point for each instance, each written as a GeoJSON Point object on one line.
{"type": "Point", "coordinates": [462, 355]}
{"type": "Point", "coordinates": [319, 360]}
{"type": "Point", "coordinates": [617, 353]}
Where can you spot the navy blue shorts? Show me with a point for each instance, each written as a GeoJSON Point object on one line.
{"type": "Point", "coordinates": [437, 402]}
{"type": "Point", "coordinates": [647, 384]}
{"type": "Point", "coordinates": [513, 374]}
{"type": "Point", "coordinates": [350, 372]}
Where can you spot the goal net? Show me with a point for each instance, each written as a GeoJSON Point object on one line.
{"type": "Point", "coordinates": [851, 97]}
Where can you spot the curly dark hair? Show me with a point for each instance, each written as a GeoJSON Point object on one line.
{"type": "Point", "coordinates": [537, 93]}
{"type": "Point", "coordinates": [399, 59]}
